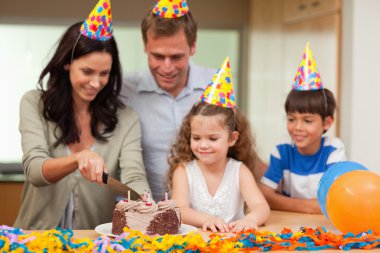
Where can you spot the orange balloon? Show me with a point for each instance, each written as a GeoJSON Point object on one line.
{"type": "Point", "coordinates": [353, 202]}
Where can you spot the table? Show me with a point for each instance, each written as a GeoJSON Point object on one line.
{"type": "Point", "coordinates": [277, 221]}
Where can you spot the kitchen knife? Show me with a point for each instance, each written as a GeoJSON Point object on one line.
{"type": "Point", "coordinates": [119, 188]}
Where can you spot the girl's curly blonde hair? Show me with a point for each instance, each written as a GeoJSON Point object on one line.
{"type": "Point", "coordinates": [234, 120]}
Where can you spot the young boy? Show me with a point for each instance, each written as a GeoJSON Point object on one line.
{"type": "Point", "coordinates": [298, 162]}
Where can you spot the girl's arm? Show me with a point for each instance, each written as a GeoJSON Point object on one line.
{"type": "Point", "coordinates": [188, 215]}
{"type": "Point", "coordinates": [281, 202]}
{"type": "Point", "coordinates": [258, 207]}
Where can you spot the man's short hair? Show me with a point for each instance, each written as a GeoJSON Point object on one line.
{"type": "Point", "coordinates": [169, 26]}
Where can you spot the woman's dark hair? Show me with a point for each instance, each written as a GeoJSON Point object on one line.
{"type": "Point", "coordinates": [321, 102]}
{"type": "Point", "coordinates": [57, 96]}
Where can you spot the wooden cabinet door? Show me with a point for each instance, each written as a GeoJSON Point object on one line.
{"type": "Point", "coordinates": [297, 10]}
{"type": "Point", "coordinates": [10, 199]}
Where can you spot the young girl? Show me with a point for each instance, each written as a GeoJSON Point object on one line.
{"type": "Point", "coordinates": [211, 170]}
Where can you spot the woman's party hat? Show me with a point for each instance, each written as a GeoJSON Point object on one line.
{"type": "Point", "coordinates": [307, 77]}
{"type": "Point", "coordinates": [98, 25]}
{"type": "Point", "coordinates": [220, 91]}
{"type": "Point", "coordinates": [171, 8]}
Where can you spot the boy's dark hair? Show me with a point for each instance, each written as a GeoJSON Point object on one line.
{"type": "Point", "coordinates": [321, 102]}
{"type": "Point", "coordinates": [169, 26]}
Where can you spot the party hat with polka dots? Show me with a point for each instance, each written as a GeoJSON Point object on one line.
{"type": "Point", "coordinates": [220, 91]}
{"type": "Point", "coordinates": [171, 8]}
{"type": "Point", "coordinates": [98, 25]}
{"type": "Point", "coordinates": [307, 77]}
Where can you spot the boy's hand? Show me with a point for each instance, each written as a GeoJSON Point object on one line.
{"type": "Point", "coordinates": [311, 206]}
{"type": "Point", "coordinates": [215, 224]}
{"type": "Point", "coordinates": [243, 224]}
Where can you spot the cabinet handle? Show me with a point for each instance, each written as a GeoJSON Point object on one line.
{"type": "Point", "coordinates": [315, 4]}
{"type": "Point", "coordinates": [301, 7]}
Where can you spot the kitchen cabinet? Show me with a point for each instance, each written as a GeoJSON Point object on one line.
{"type": "Point", "coordinates": [10, 200]}
{"type": "Point", "coordinates": [296, 10]}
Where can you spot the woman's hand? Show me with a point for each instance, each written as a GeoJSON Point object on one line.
{"type": "Point", "coordinates": [243, 224]}
{"type": "Point", "coordinates": [91, 165]}
{"type": "Point", "coordinates": [215, 224]}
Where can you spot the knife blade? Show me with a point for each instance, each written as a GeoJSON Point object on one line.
{"type": "Point", "coordinates": [119, 188]}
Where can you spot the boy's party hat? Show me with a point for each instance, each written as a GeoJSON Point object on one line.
{"type": "Point", "coordinates": [220, 91]}
{"type": "Point", "coordinates": [98, 25]}
{"type": "Point", "coordinates": [171, 8]}
{"type": "Point", "coordinates": [307, 77]}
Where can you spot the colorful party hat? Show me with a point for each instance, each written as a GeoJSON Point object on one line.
{"type": "Point", "coordinates": [171, 8]}
{"type": "Point", "coordinates": [307, 77]}
{"type": "Point", "coordinates": [98, 25]}
{"type": "Point", "coordinates": [220, 91]}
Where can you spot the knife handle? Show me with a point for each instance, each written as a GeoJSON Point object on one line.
{"type": "Point", "coordinates": [105, 177]}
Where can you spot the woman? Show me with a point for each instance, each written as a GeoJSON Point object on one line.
{"type": "Point", "coordinates": [72, 131]}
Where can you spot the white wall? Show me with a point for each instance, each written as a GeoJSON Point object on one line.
{"type": "Point", "coordinates": [360, 119]}
{"type": "Point", "coordinates": [266, 91]}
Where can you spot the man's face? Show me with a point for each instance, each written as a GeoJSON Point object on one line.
{"type": "Point", "coordinates": [168, 59]}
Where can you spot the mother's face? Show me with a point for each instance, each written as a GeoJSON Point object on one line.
{"type": "Point", "coordinates": [88, 75]}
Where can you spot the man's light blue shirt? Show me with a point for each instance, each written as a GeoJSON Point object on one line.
{"type": "Point", "coordinates": [161, 116]}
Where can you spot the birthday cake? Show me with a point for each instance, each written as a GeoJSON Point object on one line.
{"type": "Point", "coordinates": [148, 216]}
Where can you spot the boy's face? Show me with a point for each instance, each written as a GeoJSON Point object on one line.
{"type": "Point", "coordinates": [306, 130]}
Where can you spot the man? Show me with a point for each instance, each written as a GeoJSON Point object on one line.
{"type": "Point", "coordinates": [163, 94]}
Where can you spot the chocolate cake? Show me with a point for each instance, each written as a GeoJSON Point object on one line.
{"type": "Point", "coordinates": [148, 216]}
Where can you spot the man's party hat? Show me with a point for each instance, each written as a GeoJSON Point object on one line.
{"type": "Point", "coordinates": [171, 8]}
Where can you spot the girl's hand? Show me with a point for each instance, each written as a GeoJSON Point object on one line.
{"type": "Point", "coordinates": [91, 165]}
{"type": "Point", "coordinates": [243, 224]}
{"type": "Point", "coordinates": [215, 224]}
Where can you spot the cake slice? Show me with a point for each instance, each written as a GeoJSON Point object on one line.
{"type": "Point", "coordinates": [147, 216]}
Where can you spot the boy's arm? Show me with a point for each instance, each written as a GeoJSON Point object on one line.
{"type": "Point", "coordinates": [190, 216]}
{"type": "Point", "coordinates": [281, 202]}
{"type": "Point", "coordinates": [260, 169]}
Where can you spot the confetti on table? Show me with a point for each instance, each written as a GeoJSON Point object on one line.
{"type": "Point", "coordinates": [57, 240]}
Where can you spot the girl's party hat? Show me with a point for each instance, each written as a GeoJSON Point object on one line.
{"type": "Point", "coordinates": [220, 91]}
{"type": "Point", "coordinates": [307, 77]}
{"type": "Point", "coordinates": [171, 8]}
{"type": "Point", "coordinates": [98, 25]}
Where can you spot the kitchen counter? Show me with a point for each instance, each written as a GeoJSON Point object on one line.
{"type": "Point", "coordinates": [11, 172]}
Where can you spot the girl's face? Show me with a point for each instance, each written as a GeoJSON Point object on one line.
{"type": "Point", "coordinates": [306, 131]}
{"type": "Point", "coordinates": [88, 75]}
{"type": "Point", "coordinates": [210, 139]}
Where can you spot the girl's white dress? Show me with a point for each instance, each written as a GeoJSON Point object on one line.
{"type": "Point", "coordinates": [227, 203]}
